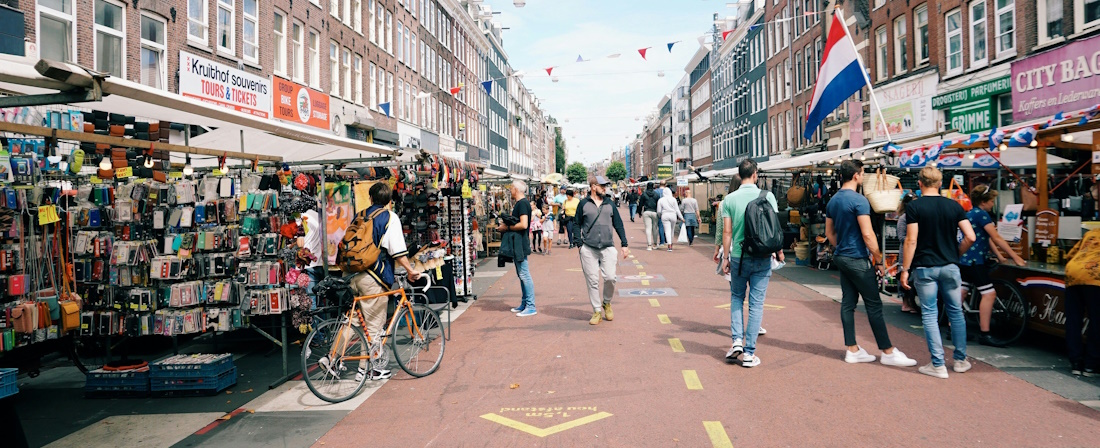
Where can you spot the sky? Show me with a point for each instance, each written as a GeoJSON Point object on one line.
{"type": "Point", "coordinates": [601, 104]}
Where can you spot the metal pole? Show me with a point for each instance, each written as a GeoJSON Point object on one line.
{"type": "Point", "coordinates": [323, 217]}
{"type": "Point", "coordinates": [866, 79]}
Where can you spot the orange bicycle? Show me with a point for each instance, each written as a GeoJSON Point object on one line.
{"type": "Point", "coordinates": [338, 355]}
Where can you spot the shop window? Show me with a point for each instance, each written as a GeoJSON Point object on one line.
{"type": "Point", "coordinates": [297, 53]}
{"type": "Point", "coordinates": [314, 59]}
{"type": "Point", "coordinates": [225, 33]}
{"type": "Point", "coordinates": [1050, 19]}
{"type": "Point", "coordinates": [153, 68]}
{"type": "Point", "coordinates": [901, 44]}
{"type": "Point", "coordinates": [196, 20]}
{"type": "Point", "coordinates": [250, 31]}
{"type": "Point", "coordinates": [920, 26]}
{"type": "Point", "coordinates": [1006, 27]}
{"type": "Point", "coordinates": [953, 44]}
{"type": "Point", "coordinates": [978, 53]}
{"type": "Point", "coordinates": [55, 30]}
{"type": "Point", "coordinates": [1004, 110]}
{"type": "Point", "coordinates": [280, 44]}
{"type": "Point", "coordinates": [110, 38]}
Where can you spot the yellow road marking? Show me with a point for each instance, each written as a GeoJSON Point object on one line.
{"type": "Point", "coordinates": [636, 262]}
{"type": "Point", "coordinates": [640, 267]}
{"type": "Point", "coordinates": [543, 432]}
{"type": "Point", "coordinates": [663, 318]}
{"type": "Point", "coordinates": [641, 274]}
{"type": "Point", "coordinates": [692, 380]}
{"type": "Point", "coordinates": [574, 270]}
{"type": "Point", "coordinates": [717, 434]}
{"type": "Point", "coordinates": [645, 282]}
{"type": "Point", "coordinates": [654, 303]}
{"type": "Point", "coordinates": [677, 346]}
{"type": "Point", "coordinates": [726, 306]}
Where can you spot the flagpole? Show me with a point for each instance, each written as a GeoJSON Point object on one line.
{"type": "Point", "coordinates": [867, 79]}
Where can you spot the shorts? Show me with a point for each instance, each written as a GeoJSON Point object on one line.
{"type": "Point", "coordinates": [977, 275]}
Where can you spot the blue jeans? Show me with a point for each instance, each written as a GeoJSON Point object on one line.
{"type": "Point", "coordinates": [633, 210]}
{"type": "Point", "coordinates": [750, 274]}
{"type": "Point", "coordinates": [943, 282]}
{"type": "Point", "coordinates": [523, 271]}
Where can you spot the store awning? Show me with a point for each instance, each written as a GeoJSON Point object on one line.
{"type": "Point", "coordinates": [489, 172]}
{"type": "Point", "coordinates": [1025, 158]}
{"type": "Point", "coordinates": [815, 158]}
{"type": "Point", "coordinates": [18, 75]}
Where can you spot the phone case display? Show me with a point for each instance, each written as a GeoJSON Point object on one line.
{"type": "Point", "coordinates": [459, 236]}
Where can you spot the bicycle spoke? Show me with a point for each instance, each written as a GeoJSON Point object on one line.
{"type": "Point", "coordinates": [420, 351]}
{"type": "Point", "coordinates": [325, 365]}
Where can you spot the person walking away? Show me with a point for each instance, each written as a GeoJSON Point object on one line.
{"type": "Point", "coordinates": [522, 212]}
{"type": "Point", "coordinates": [748, 273]}
{"type": "Point", "coordinates": [379, 277]}
{"type": "Point", "coordinates": [690, 208]}
{"type": "Point", "coordinates": [857, 256]}
{"type": "Point", "coordinates": [570, 207]}
{"type": "Point", "coordinates": [632, 203]}
{"type": "Point", "coordinates": [1083, 291]}
{"type": "Point", "coordinates": [932, 251]}
{"type": "Point", "coordinates": [670, 214]}
{"type": "Point", "coordinates": [659, 190]}
{"type": "Point", "coordinates": [972, 264]}
{"type": "Point", "coordinates": [547, 229]}
{"type": "Point", "coordinates": [559, 207]}
{"type": "Point", "coordinates": [536, 230]}
{"type": "Point", "coordinates": [908, 296]}
{"type": "Point", "coordinates": [649, 216]}
{"type": "Point", "coordinates": [735, 183]}
{"type": "Point", "coordinates": [597, 219]}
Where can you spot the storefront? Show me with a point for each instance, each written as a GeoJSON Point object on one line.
{"type": "Point", "coordinates": [1060, 80]}
{"type": "Point", "coordinates": [906, 108]}
{"type": "Point", "coordinates": [973, 108]}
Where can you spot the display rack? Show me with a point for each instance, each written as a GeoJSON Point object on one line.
{"type": "Point", "coordinates": [460, 237]}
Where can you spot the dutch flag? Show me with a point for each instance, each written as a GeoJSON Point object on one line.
{"type": "Point", "coordinates": [841, 75]}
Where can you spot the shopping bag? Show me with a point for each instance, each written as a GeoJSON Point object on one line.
{"type": "Point", "coordinates": [960, 196]}
{"type": "Point", "coordinates": [683, 234]}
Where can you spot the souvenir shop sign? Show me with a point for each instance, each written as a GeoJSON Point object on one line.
{"type": "Point", "coordinates": [1058, 80]}
{"type": "Point", "coordinates": [220, 84]}
{"type": "Point", "coordinates": [298, 104]}
{"type": "Point", "coordinates": [981, 91]}
{"type": "Point", "coordinates": [906, 108]}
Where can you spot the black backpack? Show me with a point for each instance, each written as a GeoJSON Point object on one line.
{"type": "Point", "coordinates": [763, 233]}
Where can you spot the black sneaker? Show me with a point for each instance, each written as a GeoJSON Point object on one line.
{"type": "Point", "coordinates": [1090, 372]}
{"type": "Point", "coordinates": [986, 339]}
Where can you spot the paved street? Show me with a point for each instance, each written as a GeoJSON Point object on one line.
{"type": "Point", "coordinates": [656, 375]}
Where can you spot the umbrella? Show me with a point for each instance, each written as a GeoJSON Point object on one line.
{"type": "Point", "coordinates": [552, 178]}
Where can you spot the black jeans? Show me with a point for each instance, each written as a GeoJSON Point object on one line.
{"type": "Point", "coordinates": [1078, 298]}
{"type": "Point", "coordinates": [857, 278]}
{"type": "Point", "coordinates": [691, 234]}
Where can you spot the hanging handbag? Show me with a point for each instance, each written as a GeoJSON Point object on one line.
{"type": "Point", "coordinates": [885, 200]}
{"type": "Point", "coordinates": [1028, 198]}
{"type": "Point", "coordinates": [960, 196]}
{"type": "Point", "coordinates": [797, 193]}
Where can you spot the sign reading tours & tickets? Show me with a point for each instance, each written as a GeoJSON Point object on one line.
{"type": "Point", "coordinates": [220, 84]}
{"type": "Point", "coordinates": [1061, 80]}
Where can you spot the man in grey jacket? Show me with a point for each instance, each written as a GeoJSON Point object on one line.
{"type": "Point", "coordinates": [597, 217]}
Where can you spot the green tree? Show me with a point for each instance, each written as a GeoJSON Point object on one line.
{"type": "Point", "coordinates": [576, 173]}
{"type": "Point", "coordinates": [559, 152]}
{"type": "Point", "coordinates": [616, 171]}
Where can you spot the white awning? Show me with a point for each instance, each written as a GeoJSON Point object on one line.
{"type": "Point", "coordinates": [814, 158]}
{"type": "Point", "coordinates": [489, 172]}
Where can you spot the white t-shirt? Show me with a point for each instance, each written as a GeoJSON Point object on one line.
{"type": "Point", "coordinates": [393, 240]}
{"type": "Point", "coordinates": [313, 241]}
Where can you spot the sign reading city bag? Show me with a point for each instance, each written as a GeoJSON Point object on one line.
{"type": "Point", "coordinates": [1058, 80]}
{"type": "Point", "coordinates": [220, 84]}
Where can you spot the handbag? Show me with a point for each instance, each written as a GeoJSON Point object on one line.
{"type": "Point", "coordinates": [960, 196]}
{"type": "Point", "coordinates": [885, 200]}
{"type": "Point", "coordinates": [797, 193]}
{"type": "Point", "coordinates": [1028, 198]}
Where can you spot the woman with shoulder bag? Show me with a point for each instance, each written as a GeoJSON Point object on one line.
{"type": "Point", "coordinates": [1083, 292]}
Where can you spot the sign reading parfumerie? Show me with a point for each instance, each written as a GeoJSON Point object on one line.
{"type": "Point", "coordinates": [220, 84]}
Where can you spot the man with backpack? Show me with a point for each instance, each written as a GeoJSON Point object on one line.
{"type": "Point", "coordinates": [597, 220]}
{"type": "Point", "coordinates": [632, 202]}
{"type": "Point", "coordinates": [648, 201]}
{"type": "Point", "coordinates": [371, 246]}
{"type": "Point", "coordinates": [751, 234]}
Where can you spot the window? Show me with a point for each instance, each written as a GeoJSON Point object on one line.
{"type": "Point", "coordinates": [334, 8]}
{"type": "Point", "coordinates": [334, 68]}
{"type": "Point", "coordinates": [881, 56]}
{"type": "Point", "coordinates": [370, 26]}
{"type": "Point", "coordinates": [920, 25]}
{"type": "Point", "coordinates": [1050, 19]}
{"type": "Point", "coordinates": [953, 28]}
{"type": "Point", "coordinates": [110, 38]}
{"type": "Point", "coordinates": [787, 77]}
{"type": "Point", "coordinates": [249, 31]}
{"type": "Point", "coordinates": [346, 18]}
{"type": "Point", "coordinates": [389, 89]}
{"type": "Point", "coordinates": [415, 117]}
{"type": "Point", "coordinates": [1004, 110]}
{"type": "Point", "coordinates": [55, 33]}
{"type": "Point", "coordinates": [314, 59]}
{"type": "Point", "coordinates": [978, 53]}
{"type": "Point", "coordinates": [297, 54]}
{"type": "Point", "coordinates": [412, 52]}
{"type": "Point", "coordinates": [154, 72]}
{"type": "Point", "coordinates": [901, 56]}
{"type": "Point", "coordinates": [389, 33]}
{"type": "Point", "coordinates": [1089, 15]}
{"type": "Point", "coordinates": [400, 38]}
{"type": "Point", "coordinates": [347, 73]}
{"type": "Point", "coordinates": [811, 67]}
{"type": "Point", "coordinates": [280, 43]}
{"type": "Point", "coordinates": [408, 102]}
{"type": "Point", "coordinates": [798, 71]}
{"type": "Point", "coordinates": [378, 17]}
{"type": "Point", "coordinates": [225, 32]}
{"type": "Point", "coordinates": [1006, 26]}
{"type": "Point", "coordinates": [400, 110]}
{"type": "Point", "coordinates": [196, 20]}
{"type": "Point", "coordinates": [357, 16]}
{"type": "Point", "coordinates": [373, 87]}
{"type": "Point", "coordinates": [879, 3]}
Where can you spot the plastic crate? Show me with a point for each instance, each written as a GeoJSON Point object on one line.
{"type": "Point", "coordinates": [8, 384]}
{"type": "Point", "coordinates": [158, 369]}
{"type": "Point", "coordinates": [127, 378]}
{"type": "Point", "coordinates": [198, 385]}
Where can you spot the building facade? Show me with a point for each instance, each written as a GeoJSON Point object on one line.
{"type": "Point", "coordinates": [700, 107]}
{"type": "Point", "coordinates": [740, 112]}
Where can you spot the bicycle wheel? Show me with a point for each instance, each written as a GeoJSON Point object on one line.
{"type": "Point", "coordinates": [324, 370]}
{"type": "Point", "coordinates": [418, 341]}
{"type": "Point", "coordinates": [1010, 313]}
{"type": "Point", "coordinates": [88, 352]}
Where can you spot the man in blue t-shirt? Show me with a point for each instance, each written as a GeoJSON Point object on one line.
{"type": "Point", "coordinates": [848, 227]}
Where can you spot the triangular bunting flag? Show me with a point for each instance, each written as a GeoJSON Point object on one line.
{"type": "Point", "coordinates": [1023, 136]}
{"type": "Point", "coordinates": [455, 90]}
{"type": "Point", "coordinates": [726, 34]}
{"type": "Point", "coordinates": [642, 51]}
{"type": "Point", "coordinates": [670, 44]}
{"type": "Point", "coordinates": [488, 86]}
{"type": "Point", "coordinates": [579, 58]}
{"type": "Point", "coordinates": [1057, 118]}
{"type": "Point", "coordinates": [549, 70]}
{"type": "Point", "coordinates": [996, 137]}
{"type": "Point", "coordinates": [385, 108]}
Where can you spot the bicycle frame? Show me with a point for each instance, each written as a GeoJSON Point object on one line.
{"type": "Point", "coordinates": [356, 313]}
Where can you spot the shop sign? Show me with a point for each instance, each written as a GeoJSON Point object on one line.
{"type": "Point", "coordinates": [906, 108]}
{"type": "Point", "coordinates": [973, 93]}
{"type": "Point", "coordinates": [220, 84]}
{"type": "Point", "coordinates": [664, 171]}
{"type": "Point", "coordinates": [1096, 162]}
{"type": "Point", "coordinates": [298, 104]}
{"type": "Point", "coordinates": [855, 124]}
{"type": "Point", "coordinates": [968, 118]}
{"type": "Point", "coordinates": [1058, 80]}
{"type": "Point", "coordinates": [681, 181]}
{"type": "Point", "coordinates": [1046, 227]}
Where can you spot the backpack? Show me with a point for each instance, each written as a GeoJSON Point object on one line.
{"type": "Point", "coordinates": [763, 233]}
{"type": "Point", "coordinates": [359, 250]}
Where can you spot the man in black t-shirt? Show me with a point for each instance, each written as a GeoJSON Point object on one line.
{"type": "Point", "coordinates": [932, 250]}
{"type": "Point", "coordinates": [522, 212]}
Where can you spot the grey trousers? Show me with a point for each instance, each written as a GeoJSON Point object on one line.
{"type": "Point", "coordinates": [593, 263]}
{"type": "Point", "coordinates": [652, 223]}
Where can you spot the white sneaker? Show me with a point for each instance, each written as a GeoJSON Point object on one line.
{"type": "Point", "coordinates": [762, 332]}
{"type": "Point", "coordinates": [750, 361]}
{"type": "Point", "coordinates": [851, 357]}
{"type": "Point", "coordinates": [649, 248]}
{"type": "Point", "coordinates": [897, 359]}
{"type": "Point", "coordinates": [962, 366]}
{"type": "Point", "coordinates": [930, 370]}
{"type": "Point", "coordinates": [736, 350]}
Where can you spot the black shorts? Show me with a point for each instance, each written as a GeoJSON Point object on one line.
{"type": "Point", "coordinates": [977, 275]}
